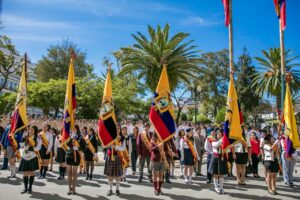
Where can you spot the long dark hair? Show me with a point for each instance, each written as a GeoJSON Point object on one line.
{"type": "Point", "coordinates": [92, 130]}
{"type": "Point", "coordinates": [77, 129]}
{"type": "Point", "coordinates": [36, 130]}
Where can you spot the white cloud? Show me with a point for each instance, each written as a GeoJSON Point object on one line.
{"type": "Point", "coordinates": [198, 21]}
{"type": "Point", "coordinates": [19, 21]}
{"type": "Point", "coordinates": [35, 37]}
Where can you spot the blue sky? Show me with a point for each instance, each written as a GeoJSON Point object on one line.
{"type": "Point", "coordinates": [100, 27]}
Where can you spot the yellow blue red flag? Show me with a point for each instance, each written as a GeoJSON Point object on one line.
{"type": "Point", "coordinates": [20, 120]}
{"type": "Point", "coordinates": [291, 132]}
{"type": "Point", "coordinates": [70, 102]}
{"type": "Point", "coordinates": [233, 118]}
{"type": "Point", "coordinates": [107, 129]}
{"type": "Point", "coordinates": [162, 111]}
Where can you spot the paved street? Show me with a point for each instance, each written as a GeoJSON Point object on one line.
{"type": "Point", "coordinates": [97, 188]}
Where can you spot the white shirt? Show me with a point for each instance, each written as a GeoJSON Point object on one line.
{"type": "Point", "coordinates": [129, 129]}
{"type": "Point", "coordinates": [239, 147]}
{"type": "Point", "coordinates": [216, 146]}
{"type": "Point", "coordinates": [50, 141]}
{"type": "Point", "coordinates": [203, 132]}
{"type": "Point", "coordinates": [208, 147]}
{"type": "Point", "coordinates": [268, 151]}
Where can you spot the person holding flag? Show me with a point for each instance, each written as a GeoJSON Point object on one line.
{"type": "Point", "coordinates": [18, 122]}
{"type": "Point", "coordinates": [290, 141]}
{"type": "Point", "coordinates": [110, 135]}
{"type": "Point", "coordinates": [46, 149]}
{"type": "Point", "coordinates": [162, 118]}
{"type": "Point", "coordinates": [69, 132]}
{"type": "Point", "coordinates": [30, 157]}
{"type": "Point", "coordinates": [218, 165]}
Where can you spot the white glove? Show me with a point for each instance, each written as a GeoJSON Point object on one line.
{"type": "Point", "coordinates": [73, 135]}
{"type": "Point", "coordinates": [75, 148]}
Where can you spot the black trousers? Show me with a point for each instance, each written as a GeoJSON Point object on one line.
{"type": "Point", "coordinates": [255, 162]}
{"type": "Point", "coordinates": [134, 157]}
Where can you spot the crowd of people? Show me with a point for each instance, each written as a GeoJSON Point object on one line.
{"type": "Point", "coordinates": [42, 145]}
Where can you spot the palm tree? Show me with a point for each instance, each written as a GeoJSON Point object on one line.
{"type": "Point", "coordinates": [146, 57]}
{"type": "Point", "coordinates": [268, 79]}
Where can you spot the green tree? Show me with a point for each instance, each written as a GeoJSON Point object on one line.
{"type": "Point", "coordinates": [9, 62]}
{"type": "Point", "coordinates": [147, 55]}
{"type": "Point", "coordinates": [268, 79]}
{"type": "Point", "coordinates": [215, 76]}
{"type": "Point", "coordinates": [247, 98]}
{"type": "Point", "coordinates": [47, 95]}
{"type": "Point", "coordinates": [220, 117]}
{"type": "Point", "coordinates": [55, 64]}
{"type": "Point", "coordinates": [7, 102]}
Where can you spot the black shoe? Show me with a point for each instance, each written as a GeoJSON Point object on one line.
{"type": "Point", "coordinates": [124, 180]}
{"type": "Point", "coordinates": [150, 178]}
{"type": "Point", "coordinates": [208, 182]}
{"type": "Point", "coordinates": [91, 176]}
{"type": "Point", "coordinates": [118, 193]}
{"type": "Point", "coordinates": [29, 191]}
{"type": "Point", "coordinates": [109, 193]}
{"type": "Point", "coordinates": [24, 191]}
{"type": "Point", "coordinates": [59, 178]}
{"type": "Point", "coordinates": [140, 180]}
{"type": "Point", "coordinates": [291, 184]}
{"type": "Point", "coordinates": [168, 181]}
{"type": "Point", "coordinates": [87, 177]}
{"type": "Point", "coordinates": [70, 191]}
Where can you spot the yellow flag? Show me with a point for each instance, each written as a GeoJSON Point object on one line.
{"type": "Point", "coordinates": [107, 130]}
{"type": "Point", "coordinates": [290, 120]}
{"type": "Point", "coordinates": [20, 113]}
{"type": "Point", "coordinates": [163, 88]}
{"type": "Point", "coordinates": [233, 113]}
{"type": "Point", "coordinates": [70, 103]}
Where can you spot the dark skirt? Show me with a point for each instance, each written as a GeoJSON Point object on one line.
{"type": "Point", "coordinates": [188, 158]}
{"type": "Point", "coordinates": [88, 156]}
{"type": "Point", "coordinates": [241, 158]}
{"type": "Point", "coordinates": [113, 168]}
{"type": "Point", "coordinates": [219, 165]}
{"type": "Point", "coordinates": [29, 165]}
{"type": "Point", "coordinates": [271, 166]}
{"type": "Point", "coordinates": [43, 154]}
{"type": "Point", "coordinates": [61, 155]}
{"type": "Point", "coordinates": [70, 159]}
{"type": "Point", "coordinates": [230, 157]}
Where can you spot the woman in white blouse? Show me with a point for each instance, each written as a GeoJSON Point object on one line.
{"type": "Point", "coordinates": [271, 162]}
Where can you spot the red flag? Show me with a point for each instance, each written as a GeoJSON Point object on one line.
{"type": "Point", "coordinates": [280, 8]}
{"type": "Point", "coordinates": [226, 11]}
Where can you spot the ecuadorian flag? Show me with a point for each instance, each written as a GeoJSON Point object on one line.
{"type": "Point", "coordinates": [20, 120]}
{"type": "Point", "coordinates": [70, 102]}
{"type": "Point", "coordinates": [107, 122]}
{"type": "Point", "coordinates": [280, 8]}
{"type": "Point", "coordinates": [292, 137]}
{"type": "Point", "coordinates": [162, 110]}
{"type": "Point", "coordinates": [233, 119]}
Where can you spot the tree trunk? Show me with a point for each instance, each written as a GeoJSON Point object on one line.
{"type": "Point", "coordinates": [178, 114]}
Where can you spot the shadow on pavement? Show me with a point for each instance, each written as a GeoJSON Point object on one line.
{"type": "Point", "coordinates": [45, 196]}
{"type": "Point", "coordinates": [91, 198]}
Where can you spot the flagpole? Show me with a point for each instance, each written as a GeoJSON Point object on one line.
{"type": "Point", "coordinates": [282, 57]}
{"type": "Point", "coordinates": [25, 67]}
{"type": "Point", "coordinates": [231, 65]}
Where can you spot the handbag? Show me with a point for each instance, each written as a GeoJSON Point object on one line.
{"type": "Point", "coordinates": [249, 169]}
